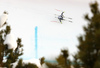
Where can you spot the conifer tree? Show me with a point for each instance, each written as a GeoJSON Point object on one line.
{"type": "Point", "coordinates": [89, 43]}
{"type": "Point", "coordinates": [10, 55]}
{"type": "Point", "coordinates": [76, 63]}
{"type": "Point", "coordinates": [21, 64]}
{"type": "Point", "coordinates": [42, 60]}
{"type": "Point", "coordinates": [63, 59]}
{"type": "Point", "coordinates": [51, 65]}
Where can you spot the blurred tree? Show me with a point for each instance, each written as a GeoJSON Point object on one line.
{"type": "Point", "coordinates": [42, 60]}
{"type": "Point", "coordinates": [21, 64]}
{"type": "Point", "coordinates": [76, 63]}
{"type": "Point", "coordinates": [89, 43]}
{"type": "Point", "coordinates": [30, 65]}
{"type": "Point", "coordinates": [63, 60]}
{"type": "Point", "coordinates": [51, 65]}
{"type": "Point", "coordinates": [8, 56]}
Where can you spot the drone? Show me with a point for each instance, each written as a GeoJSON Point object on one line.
{"type": "Point", "coordinates": [61, 17]}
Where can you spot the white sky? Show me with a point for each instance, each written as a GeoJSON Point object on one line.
{"type": "Point", "coordinates": [24, 15]}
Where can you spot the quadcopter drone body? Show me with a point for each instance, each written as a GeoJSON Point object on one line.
{"type": "Point", "coordinates": [61, 17]}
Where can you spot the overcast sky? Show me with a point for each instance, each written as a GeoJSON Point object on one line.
{"type": "Point", "coordinates": [25, 15]}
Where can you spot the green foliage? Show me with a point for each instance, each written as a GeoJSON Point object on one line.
{"type": "Point", "coordinates": [20, 64]}
{"type": "Point", "coordinates": [76, 62]}
{"type": "Point", "coordinates": [30, 65]}
{"type": "Point", "coordinates": [7, 30]}
{"type": "Point", "coordinates": [10, 55]}
{"type": "Point", "coordinates": [25, 65]}
{"type": "Point", "coordinates": [50, 65]}
{"type": "Point", "coordinates": [89, 44]}
{"type": "Point", "coordinates": [42, 60]}
{"type": "Point", "coordinates": [94, 8]}
{"type": "Point", "coordinates": [65, 53]}
{"type": "Point", "coordinates": [63, 60]}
